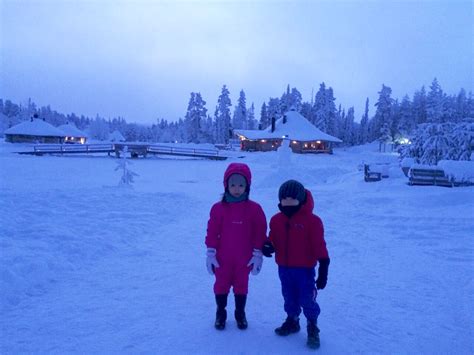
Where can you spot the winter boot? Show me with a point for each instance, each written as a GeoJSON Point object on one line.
{"type": "Point", "coordinates": [221, 314]}
{"type": "Point", "coordinates": [240, 301]}
{"type": "Point", "coordinates": [289, 326]}
{"type": "Point", "coordinates": [313, 335]}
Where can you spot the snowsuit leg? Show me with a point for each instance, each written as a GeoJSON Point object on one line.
{"type": "Point", "coordinates": [308, 294]}
{"type": "Point", "coordinates": [241, 279]}
{"type": "Point", "coordinates": [299, 291]}
{"type": "Point", "coordinates": [236, 276]}
{"type": "Point", "coordinates": [289, 291]}
{"type": "Point", "coordinates": [223, 279]}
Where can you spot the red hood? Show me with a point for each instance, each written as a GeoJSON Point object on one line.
{"type": "Point", "coordinates": [309, 205]}
{"type": "Point", "coordinates": [238, 168]}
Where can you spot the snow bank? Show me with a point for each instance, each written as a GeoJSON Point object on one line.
{"type": "Point", "coordinates": [461, 171]}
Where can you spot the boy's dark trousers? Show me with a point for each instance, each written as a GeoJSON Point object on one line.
{"type": "Point", "coordinates": [299, 292]}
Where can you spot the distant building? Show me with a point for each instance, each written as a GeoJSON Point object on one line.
{"type": "Point", "coordinates": [116, 136]}
{"type": "Point", "coordinates": [304, 136]}
{"type": "Point", "coordinates": [73, 134]}
{"type": "Point", "coordinates": [34, 131]}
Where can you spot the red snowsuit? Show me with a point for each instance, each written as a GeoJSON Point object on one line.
{"type": "Point", "coordinates": [299, 240]}
{"type": "Point", "coordinates": [234, 230]}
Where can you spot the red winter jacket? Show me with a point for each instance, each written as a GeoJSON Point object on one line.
{"type": "Point", "coordinates": [299, 240]}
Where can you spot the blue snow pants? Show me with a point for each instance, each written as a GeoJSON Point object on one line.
{"type": "Point", "coordinates": [299, 291]}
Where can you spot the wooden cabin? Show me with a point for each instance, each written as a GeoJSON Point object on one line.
{"type": "Point", "coordinates": [304, 136]}
{"type": "Point", "coordinates": [73, 134]}
{"type": "Point", "coordinates": [34, 131]}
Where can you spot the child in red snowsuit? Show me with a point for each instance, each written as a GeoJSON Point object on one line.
{"type": "Point", "coordinates": [297, 238]}
{"type": "Point", "coordinates": [236, 232]}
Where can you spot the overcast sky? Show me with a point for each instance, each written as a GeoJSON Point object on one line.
{"type": "Point", "coordinates": [141, 59]}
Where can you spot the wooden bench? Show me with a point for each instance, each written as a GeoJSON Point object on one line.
{"type": "Point", "coordinates": [428, 176]}
{"type": "Point", "coordinates": [370, 176]}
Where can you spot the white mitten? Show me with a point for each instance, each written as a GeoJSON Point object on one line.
{"type": "Point", "coordinates": [211, 261]}
{"type": "Point", "coordinates": [256, 261]}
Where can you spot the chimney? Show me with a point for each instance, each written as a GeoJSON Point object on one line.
{"type": "Point", "coordinates": [273, 124]}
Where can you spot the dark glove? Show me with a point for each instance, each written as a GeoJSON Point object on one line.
{"type": "Point", "coordinates": [268, 249]}
{"type": "Point", "coordinates": [322, 274]}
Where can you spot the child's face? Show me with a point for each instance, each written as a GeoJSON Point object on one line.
{"type": "Point", "coordinates": [289, 201]}
{"type": "Point", "coordinates": [236, 185]}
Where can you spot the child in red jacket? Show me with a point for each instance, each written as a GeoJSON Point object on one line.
{"type": "Point", "coordinates": [297, 238]}
{"type": "Point", "coordinates": [236, 232]}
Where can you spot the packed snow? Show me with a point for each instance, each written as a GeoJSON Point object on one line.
{"type": "Point", "coordinates": [90, 267]}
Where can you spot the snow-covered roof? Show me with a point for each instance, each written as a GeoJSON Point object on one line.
{"type": "Point", "coordinates": [116, 136]}
{"type": "Point", "coordinates": [35, 127]}
{"type": "Point", "coordinates": [297, 127]}
{"type": "Point", "coordinates": [71, 130]}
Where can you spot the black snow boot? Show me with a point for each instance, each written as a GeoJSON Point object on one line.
{"type": "Point", "coordinates": [289, 326]}
{"type": "Point", "coordinates": [313, 335]}
{"type": "Point", "coordinates": [240, 301]}
{"type": "Point", "coordinates": [221, 314]}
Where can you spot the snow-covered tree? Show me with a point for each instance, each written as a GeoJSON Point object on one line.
{"type": "Point", "coordinates": [99, 129]}
{"type": "Point", "coordinates": [222, 117]}
{"type": "Point", "coordinates": [364, 124]}
{"type": "Point", "coordinates": [436, 146]}
{"type": "Point", "coordinates": [127, 178]}
{"type": "Point", "coordinates": [406, 122]}
{"type": "Point", "coordinates": [251, 121]}
{"type": "Point", "coordinates": [195, 114]}
{"type": "Point", "coordinates": [419, 106]}
{"type": "Point", "coordinates": [383, 116]}
{"type": "Point", "coordinates": [325, 110]}
{"type": "Point", "coordinates": [347, 130]}
{"type": "Point", "coordinates": [462, 139]}
{"type": "Point", "coordinates": [264, 119]}
{"type": "Point", "coordinates": [296, 99]}
{"type": "Point", "coordinates": [290, 100]}
{"type": "Point", "coordinates": [273, 109]}
{"type": "Point", "coordinates": [240, 119]}
{"type": "Point", "coordinates": [435, 103]}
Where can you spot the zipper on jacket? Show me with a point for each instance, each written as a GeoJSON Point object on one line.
{"type": "Point", "coordinates": [287, 228]}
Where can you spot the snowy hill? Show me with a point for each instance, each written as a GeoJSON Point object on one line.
{"type": "Point", "coordinates": [88, 267]}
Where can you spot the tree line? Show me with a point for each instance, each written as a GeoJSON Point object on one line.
{"type": "Point", "coordinates": [427, 113]}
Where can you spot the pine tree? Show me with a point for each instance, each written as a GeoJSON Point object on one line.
{"type": "Point", "coordinates": [222, 117]}
{"type": "Point", "coordinates": [436, 144]}
{"type": "Point", "coordinates": [264, 119]}
{"type": "Point", "coordinates": [325, 113]}
{"type": "Point", "coordinates": [273, 109]}
{"type": "Point", "coordinates": [240, 119]}
{"type": "Point", "coordinates": [319, 106]}
{"type": "Point", "coordinates": [196, 113]}
{"type": "Point", "coordinates": [252, 122]}
{"type": "Point", "coordinates": [364, 124]}
{"type": "Point", "coordinates": [383, 116]}
{"type": "Point", "coordinates": [127, 178]}
{"type": "Point", "coordinates": [406, 122]}
{"type": "Point", "coordinates": [435, 103]}
{"type": "Point", "coordinates": [462, 140]}
{"type": "Point", "coordinates": [419, 106]}
{"type": "Point", "coordinates": [348, 127]}
{"type": "Point", "coordinates": [285, 100]}
{"type": "Point", "coordinates": [296, 100]}
{"type": "Point", "coordinates": [461, 108]}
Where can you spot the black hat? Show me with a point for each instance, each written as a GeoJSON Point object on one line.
{"type": "Point", "coordinates": [293, 189]}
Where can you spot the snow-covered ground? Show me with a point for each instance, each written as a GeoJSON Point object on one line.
{"type": "Point", "coordinates": [87, 267]}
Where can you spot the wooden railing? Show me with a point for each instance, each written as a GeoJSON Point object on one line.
{"type": "Point", "coordinates": [72, 148]}
{"type": "Point", "coordinates": [135, 149]}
